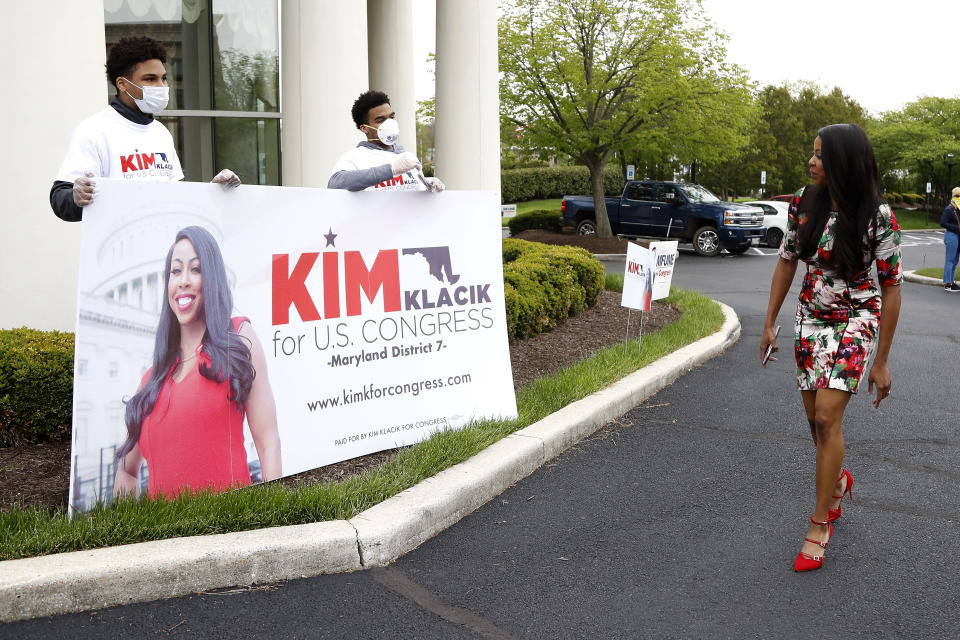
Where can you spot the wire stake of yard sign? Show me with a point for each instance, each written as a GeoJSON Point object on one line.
{"type": "Point", "coordinates": [626, 338]}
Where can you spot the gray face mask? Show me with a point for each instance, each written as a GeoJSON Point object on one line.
{"type": "Point", "coordinates": [154, 99]}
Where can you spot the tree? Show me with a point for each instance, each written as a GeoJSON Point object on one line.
{"type": "Point", "coordinates": [781, 141]}
{"type": "Point", "coordinates": [588, 78]}
{"type": "Point", "coordinates": [912, 145]}
{"type": "Point", "coordinates": [426, 131]}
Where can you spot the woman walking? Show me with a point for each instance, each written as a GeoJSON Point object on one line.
{"type": "Point", "coordinates": [839, 226]}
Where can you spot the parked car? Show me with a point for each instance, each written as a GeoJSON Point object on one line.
{"type": "Point", "coordinates": [774, 220]}
{"type": "Point", "coordinates": [681, 210]}
{"type": "Point", "coordinates": [786, 197]}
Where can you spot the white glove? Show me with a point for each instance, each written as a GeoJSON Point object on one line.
{"type": "Point", "coordinates": [404, 162]}
{"type": "Point", "coordinates": [435, 185]}
{"type": "Point", "coordinates": [227, 178]}
{"type": "Point", "coordinates": [84, 188]}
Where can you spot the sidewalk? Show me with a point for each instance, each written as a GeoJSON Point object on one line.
{"type": "Point", "coordinates": [84, 580]}
{"type": "Point", "coordinates": [911, 276]}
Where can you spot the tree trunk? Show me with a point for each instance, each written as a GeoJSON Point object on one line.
{"type": "Point", "coordinates": [599, 199]}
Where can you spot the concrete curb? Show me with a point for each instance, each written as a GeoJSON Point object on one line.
{"type": "Point", "coordinates": [83, 580]}
{"type": "Point", "coordinates": [911, 276]}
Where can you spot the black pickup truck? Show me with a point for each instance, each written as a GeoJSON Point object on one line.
{"type": "Point", "coordinates": [681, 210]}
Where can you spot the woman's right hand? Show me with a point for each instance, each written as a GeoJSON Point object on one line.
{"type": "Point", "coordinates": [768, 338]}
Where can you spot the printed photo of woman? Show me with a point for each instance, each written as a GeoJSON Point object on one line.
{"type": "Point", "coordinates": [209, 373]}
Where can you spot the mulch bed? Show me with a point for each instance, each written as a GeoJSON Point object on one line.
{"type": "Point", "coordinates": [593, 244]}
{"type": "Point", "coordinates": [578, 337]}
{"type": "Point", "coordinates": [39, 475]}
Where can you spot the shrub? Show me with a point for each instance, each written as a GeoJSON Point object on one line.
{"type": "Point", "coordinates": [36, 386]}
{"type": "Point", "coordinates": [540, 183]}
{"type": "Point", "coordinates": [892, 197]}
{"type": "Point", "coordinates": [545, 284]}
{"type": "Point", "coordinates": [536, 219]}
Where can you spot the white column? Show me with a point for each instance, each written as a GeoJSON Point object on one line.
{"type": "Point", "coordinates": [390, 36]}
{"type": "Point", "coordinates": [39, 253]}
{"type": "Point", "coordinates": [468, 99]}
{"type": "Point", "coordinates": [323, 62]}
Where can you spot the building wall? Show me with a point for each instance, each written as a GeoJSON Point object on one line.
{"type": "Point", "coordinates": [47, 93]}
{"type": "Point", "coordinates": [323, 68]}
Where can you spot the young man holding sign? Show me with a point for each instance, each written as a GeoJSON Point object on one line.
{"type": "Point", "coordinates": [123, 140]}
{"type": "Point", "coordinates": [379, 163]}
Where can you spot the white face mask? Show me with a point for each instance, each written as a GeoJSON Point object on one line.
{"type": "Point", "coordinates": [154, 99]}
{"type": "Point", "coordinates": [388, 131]}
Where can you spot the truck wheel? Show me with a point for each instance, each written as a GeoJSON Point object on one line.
{"type": "Point", "coordinates": [774, 238]}
{"type": "Point", "coordinates": [587, 228]}
{"type": "Point", "coordinates": [737, 250]}
{"type": "Point", "coordinates": [706, 241]}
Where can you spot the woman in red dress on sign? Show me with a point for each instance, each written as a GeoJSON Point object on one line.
{"type": "Point", "coordinates": [209, 372]}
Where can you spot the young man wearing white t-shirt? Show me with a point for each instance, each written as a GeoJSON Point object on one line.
{"type": "Point", "coordinates": [379, 163]}
{"type": "Point", "coordinates": [123, 140]}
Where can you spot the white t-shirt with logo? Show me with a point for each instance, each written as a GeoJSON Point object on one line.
{"type": "Point", "coordinates": [111, 146]}
{"type": "Point", "coordinates": [365, 157]}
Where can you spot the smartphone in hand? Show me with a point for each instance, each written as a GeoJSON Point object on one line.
{"type": "Point", "coordinates": [769, 352]}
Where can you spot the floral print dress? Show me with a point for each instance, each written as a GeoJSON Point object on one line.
{"type": "Point", "coordinates": [837, 319]}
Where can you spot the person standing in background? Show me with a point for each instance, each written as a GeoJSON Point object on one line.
{"type": "Point", "coordinates": [950, 221]}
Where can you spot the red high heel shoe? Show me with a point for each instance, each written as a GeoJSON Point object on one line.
{"type": "Point", "coordinates": [807, 562]}
{"type": "Point", "coordinates": [834, 514]}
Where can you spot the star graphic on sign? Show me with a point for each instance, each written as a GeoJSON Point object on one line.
{"type": "Point", "coordinates": [330, 235]}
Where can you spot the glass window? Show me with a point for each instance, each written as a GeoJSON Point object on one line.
{"type": "Point", "coordinates": [222, 55]}
{"type": "Point", "coordinates": [246, 55]}
{"type": "Point", "coordinates": [640, 191]}
{"type": "Point", "coordinates": [667, 193]}
{"type": "Point", "coordinates": [696, 193]}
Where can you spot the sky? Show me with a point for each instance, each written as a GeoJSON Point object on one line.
{"type": "Point", "coordinates": [881, 53]}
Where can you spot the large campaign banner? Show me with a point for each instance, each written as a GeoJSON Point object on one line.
{"type": "Point", "coordinates": [226, 337]}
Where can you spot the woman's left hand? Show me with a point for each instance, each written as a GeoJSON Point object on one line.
{"type": "Point", "coordinates": [879, 376]}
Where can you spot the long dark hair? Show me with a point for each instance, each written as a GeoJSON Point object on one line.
{"type": "Point", "coordinates": [228, 353]}
{"type": "Point", "coordinates": [851, 171]}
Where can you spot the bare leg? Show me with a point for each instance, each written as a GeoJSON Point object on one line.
{"type": "Point", "coordinates": [828, 409]}
{"type": "Point", "coordinates": [810, 406]}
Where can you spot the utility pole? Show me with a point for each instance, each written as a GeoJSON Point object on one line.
{"type": "Point", "coordinates": [949, 174]}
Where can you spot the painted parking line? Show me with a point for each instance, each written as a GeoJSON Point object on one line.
{"type": "Point", "coordinates": [906, 240]}
{"type": "Point", "coordinates": [921, 239]}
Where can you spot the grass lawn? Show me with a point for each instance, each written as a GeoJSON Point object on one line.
{"type": "Point", "coordinates": [936, 272]}
{"type": "Point", "coordinates": [532, 205]}
{"type": "Point", "coordinates": [26, 532]}
{"type": "Point", "coordinates": [914, 219]}
{"type": "Point", "coordinates": [552, 203]}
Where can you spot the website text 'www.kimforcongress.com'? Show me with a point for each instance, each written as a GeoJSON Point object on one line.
{"type": "Point", "coordinates": [374, 392]}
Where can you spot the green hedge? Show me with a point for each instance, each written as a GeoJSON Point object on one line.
{"type": "Point", "coordinates": [36, 386]}
{"type": "Point", "coordinates": [545, 284]}
{"type": "Point", "coordinates": [906, 198]}
{"type": "Point", "coordinates": [536, 219]}
{"type": "Point", "coordinates": [540, 183]}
